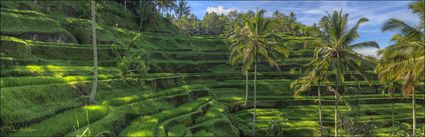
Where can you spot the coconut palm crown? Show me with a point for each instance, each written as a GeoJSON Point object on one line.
{"type": "Point", "coordinates": [335, 52]}
{"type": "Point", "coordinates": [249, 41]}
{"type": "Point", "coordinates": [181, 9]}
{"type": "Point", "coordinates": [405, 60]}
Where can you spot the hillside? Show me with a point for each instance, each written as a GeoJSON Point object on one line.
{"type": "Point", "coordinates": [189, 90]}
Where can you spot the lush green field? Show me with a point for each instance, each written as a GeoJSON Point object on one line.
{"type": "Point", "coordinates": [189, 90]}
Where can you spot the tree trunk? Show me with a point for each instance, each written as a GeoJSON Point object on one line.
{"type": "Point", "coordinates": [246, 88]}
{"type": "Point", "coordinates": [141, 15]}
{"type": "Point", "coordinates": [95, 75]}
{"type": "Point", "coordinates": [125, 5]}
{"type": "Point", "coordinates": [320, 109]}
{"type": "Point", "coordinates": [255, 90]}
{"type": "Point", "coordinates": [336, 107]}
{"type": "Point", "coordinates": [392, 110]}
{"type": "Point", "coordinates": [141, 23]}
{"type": "Point", "coordinates": [414, 114]}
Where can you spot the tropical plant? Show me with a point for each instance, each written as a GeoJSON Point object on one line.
{"type": "Point", "coordinates": [146, 10]}
{"type": "Point", "coordinates": [314, 75]}
{"type": "Point", "coordinates": [213, 23]}
{"type": "Point", "coordinates": [95, 72]}
{"type": "Point", "coordinates": [182, 9]}
{"type": "Point", "coordinates": [391, 87]}
{"type": "Point", "coordinates": [353, 126]}
{"type": "Point", "coordinates": [405, 59]}
{"type": "Point", "coordinates": [133, 63]}
{"type": "Point", "coordinates": [189, 25]}
{"type": "Point", "coordinates": [236, 51]}
{"type": "Point", "coordinates": [164, 5]}
{"type": "Point", "coordinates": [249, 42]}
{"type": "Point", "coordinates": [284, 23]}
{"type": "Point", "coordinates": [335, 52]}
{"type": "Point", "coordinates": [275, 128]}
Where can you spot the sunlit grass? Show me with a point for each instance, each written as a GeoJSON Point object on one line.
{"type": "Point", "coordinates": [146, 125]}
{"type": "Point", "coordinates": [62, 123]}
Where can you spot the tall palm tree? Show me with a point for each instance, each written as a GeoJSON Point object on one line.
{"type": "Point", "coordinates": [249, 42]}
{"type": "Point", "coordinates": [336, 53]}
{"type": "Point", "coordinates": [182, 9]}
{"type": "Point", "coordinates": [236, 54]}
{"type": "Point", "coordinates": [314, 75]}
{"type": "Point", "coordinates": [95, 73]}
{"type": "Point", "coordinates": [405, 59]}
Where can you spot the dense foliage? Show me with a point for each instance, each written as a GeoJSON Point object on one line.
{"type": "Point", "coordinates": [164, 72]}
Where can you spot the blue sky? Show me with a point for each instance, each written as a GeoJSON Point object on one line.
{"type": "Point", "coordinates": [309, 12]}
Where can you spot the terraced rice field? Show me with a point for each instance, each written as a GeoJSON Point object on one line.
{"type": "Point", "coordinates": [190, 89]}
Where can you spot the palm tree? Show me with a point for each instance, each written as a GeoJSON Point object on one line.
{"type": "Point", "coordinates": [237, 53]}
{"type": "Point", "coordinates": [182, 9]}
{"type": "Point", "coordinates": [405, 59]}
{"type": "Point", "coordinates": [249, 42]}
{"type": "Point", "coordinates": [147, 9]}
{"type": "Point", "coordinates": [95, 73]}
{"type": "Point", "coordinates": [164, 5]}
{"type": "Point", "coordinates": [316, 74]}
{"type": "Point", "coordinates": [336, 52]}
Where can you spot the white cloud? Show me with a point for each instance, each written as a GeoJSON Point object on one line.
{"type": "Point", "coordinates": [220, 10]}
{"type": "Point", "coordinates": [368, 52]}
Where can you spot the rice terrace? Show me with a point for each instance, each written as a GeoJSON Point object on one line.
{"type": "Point", "coordinates": [212, 68]}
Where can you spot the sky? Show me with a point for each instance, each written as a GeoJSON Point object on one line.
{"type": "Point", "coordinates": [309, 12]}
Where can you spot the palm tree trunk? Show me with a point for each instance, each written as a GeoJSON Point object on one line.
{"type": "Point", "coordinates": [320, 108]}
{"type": "Point", "coordinates": [336, 108]}
{"type": "Point", "coordinates": [255, 91]}
{"type": "Point", "coordinates": [141, 15]}
{"type": "Point", "coordinates": [414, 114]}
{"type": "Point", "coordinates": [95, 75]}
{"type": "Point", "coordinates": [125, 5]}
{"type": "Point", "coordinates": [392, 110]}
{"type": "Point", "coordinates": [246, 88]}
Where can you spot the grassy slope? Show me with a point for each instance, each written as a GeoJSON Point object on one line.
{"type": "Point", "coordinates": [46, 79]}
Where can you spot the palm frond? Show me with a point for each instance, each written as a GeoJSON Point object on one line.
{"type": "Point", "coordinates": [404, 29]}
{"type": "Point", "coordinates": [368, 44]}
{"type": "Point", "coordinates": [348, 37]}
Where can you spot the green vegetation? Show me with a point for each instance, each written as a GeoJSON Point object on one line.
{"type": "Point", "coordinates": [146, 125]}
{"type": "Point", "coordinates": [164, 72]}
{"type": "Point", "coordinates": [69, 120]}
{"type": "Point", "coordinates": [16, 22]}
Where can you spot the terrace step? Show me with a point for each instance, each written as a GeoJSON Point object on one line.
{"type": "Point", "coordinates": [117, 118]}
{"type": "Point", "coordinates": [42, 27]}
{"type": "Point", "coordinates": [147, 125]}
{"type": "Point", "coordinates": [8, 62]}
{"type": "Point", "coordinates": [54, 50]}
{"type": "Point", "coordinates": [150, 95]}
{"type": "Point", "coordinates": [161, 129]}
{"type": "Point", "coordinates": [41, 80]}
{"type": "Point", "coordinates": [69, 120]}
{"type": "Point", "coordinates": [52, 70]}
{"type": "Point", "coordinates": [188, 55]}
